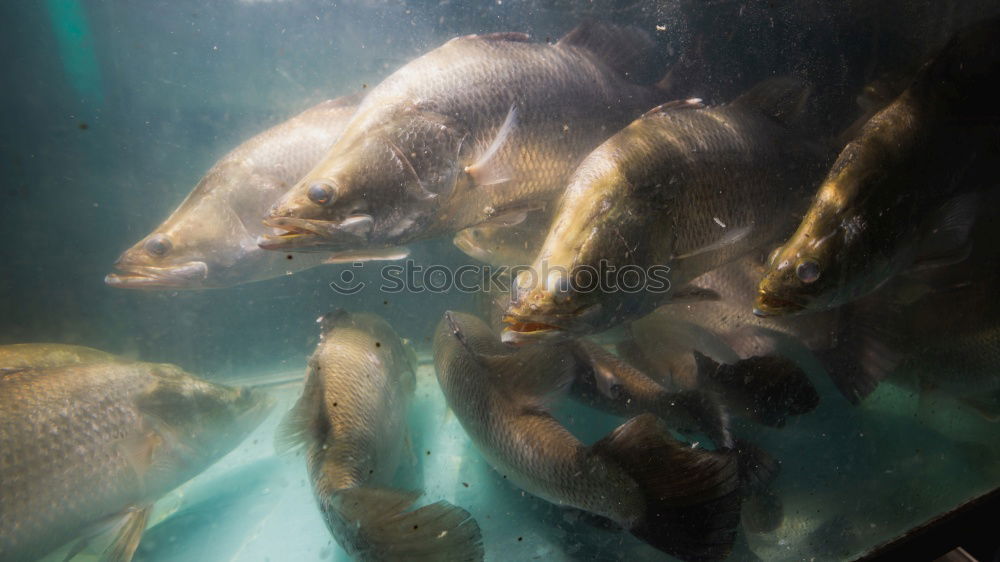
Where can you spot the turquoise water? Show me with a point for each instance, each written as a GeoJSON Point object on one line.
{"type": "Point", "coordinates": [115, 110]}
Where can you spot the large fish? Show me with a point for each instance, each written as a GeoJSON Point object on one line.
{"type": "Point", "coordinates": [485, 127]}
{"type": "Point", "coordinates": [879, 209]}
{"type": "Point", "coordinates": [89, 447]}
{"type": "Point", "coordinates": [19, 356]}
{"type": "Point", "coordinates": [684, 187]}
{"type": "Point", "coordinates": [682, 500]}
{"type": "Point", "coordinates": [351, 419]}
{"type": "Point", "coordinates": [211, 239]}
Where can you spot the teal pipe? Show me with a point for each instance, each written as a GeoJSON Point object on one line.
{"type": "Point", "coordinates": [76, 49]}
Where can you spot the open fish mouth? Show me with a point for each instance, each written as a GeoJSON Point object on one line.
{"type": "Point", "coordinates": [520, 330]}
{"type": "Point", "coordinates": [306, 235]}
{"type": "Point", "coordinates": [517, 331]}
{"type": "Point", "coordinates": [188, 275]}
{"type": "Point", "coordinates": [770, 305]}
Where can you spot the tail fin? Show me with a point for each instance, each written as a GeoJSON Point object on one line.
{"type": "Point", "coordinates": [772, 387]}
{"type": "Point", "coordinates": [372, 524]}
{"type": "Point", "coordinates": [692, 495]}
{"type": "Point", "coordinates": [762, 509]}
{"type": "Point", "coordinates": [757, 467]}
{"type": "Point", "coordinates": [709, 413]}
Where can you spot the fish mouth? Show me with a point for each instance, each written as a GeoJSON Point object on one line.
{"type": "Point", "coordinates": [769, 305]}
{"type": "Point", "coordinates": [305, 235]}
{"type": "Point", "coordinates": [188, 275]}
{"type": "Point", "coordinates": [526, 330]}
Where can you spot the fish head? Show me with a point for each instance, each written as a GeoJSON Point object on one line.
{"type": "Point", "coordinates": [474, 242]}
{"type": "Point", "coordinates": [206, 241]}
{"type": "Point", "coordinates": [549, 304]}
{"type": "Point", "coordinates": [379, 187]}
{"type": "Point", "coordinates": [807, 273]}
{"type": "Point", "coordinates": [201, 420]}
{"type": "Point", "coordinates": [592, 270]}
{"type": "Point", "coordinates": [161, 260]}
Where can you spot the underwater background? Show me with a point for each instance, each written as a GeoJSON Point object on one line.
{"type": "Point", "coordinates": [114, 110]}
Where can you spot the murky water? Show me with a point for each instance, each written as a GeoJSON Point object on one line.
{"type": "Point", "coordinates": [116, 110]}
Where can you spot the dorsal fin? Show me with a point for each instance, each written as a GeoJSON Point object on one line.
{"type": "Point", "coordinates": [624, 49]}
{"type": "Point", "coordinates": [676, 105]}
{"type": "Point", "coordinates": [783, 98]}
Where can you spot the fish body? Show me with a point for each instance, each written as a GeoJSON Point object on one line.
{"type": "Point", "coordinates": [638, 476]}
{"type": "Point", "coordinates": [479, 129]}
{"type": "Point", "coordinates": [18, 356]}
{"type": "Point", "coordinates": [210, 240]}
{"type": "Point", "coordinates": [679, 192]}
{"type": "Point", "coordinates": [351, 419]}
{"type": "Point", "coordinates": [88, 445]}
{"type": "Point", "coordinates": [876, 211]}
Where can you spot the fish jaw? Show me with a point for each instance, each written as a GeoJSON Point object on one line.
{"type": "Point", "coordinates": [311, 235]}
{"type": "Point", "coordinates": [767, 305]}
{"type": "Point", "coordinates": [533, 328]}
{"type": "Point", "coordinates": [187, 275]}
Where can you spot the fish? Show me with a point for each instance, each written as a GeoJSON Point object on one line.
{"type": "Point", "coordinates": [210, 240]}
{"type": "Point", "coordinates": [484, 128]}
{"type": "Point", "coordinates": [679, 192]}
{"type": "Point", "coordinates": [20, 356]}
{"type": "Point", "coordinates": [609, 383]}
{"type": "Point", "coordinates": [727, 331]}
{"type": "Point", "coordinates": [879, 209]}
{"type": "Point", "coordinates": [351, 421]}
{"type": "Point", "coordinates": [505, 245]}
{"type": "Point", "coordinates": [89, 447]}
{"type": "Point", "coordinates": [681, 500]}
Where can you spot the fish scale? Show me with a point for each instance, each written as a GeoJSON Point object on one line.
{"type": "Point", "coordinates": [70, 462]}
{"type": "Point", "coordinates": [563, 99]}
{"type": "Point", "coordinates": [654, 195]}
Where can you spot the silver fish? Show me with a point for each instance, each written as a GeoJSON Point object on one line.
{"type": "Point", "coordinates": [210, 240]}
{"type": "Point", "coordinates": [351, 419]}
{"type": "Point", "coordinates": [482, 128]}
{"type": "Point", "coordinates": [93, 445]}
{"type": "Point", "coordinates": [682, 500]}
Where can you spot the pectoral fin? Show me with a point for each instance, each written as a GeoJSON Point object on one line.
{"type": "Point", "coordinates": [129, 534]}
{"type": "Point", "coordinates": [299, 423]}
{"type": "Point", "coordinates": [487, 169]}
{"type": "Point", "coordinates": [384, 254]}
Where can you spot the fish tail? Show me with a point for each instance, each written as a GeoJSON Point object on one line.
{"type": "Point", "coordinates": [708, 412]}
{"type": "Point", "coordinates": [692, 495]}
{"type": "Point", "coordinates": [375, 524]}
{"type": "Point", "coordinates": [758, 468]}
{"type": "Point", "coordinates": [763, 510]}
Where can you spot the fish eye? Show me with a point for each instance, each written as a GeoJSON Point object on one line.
{"type": "Point", "coordinates": [158, 245]}
{"type": "Point", "coordinates": [320, 193]}
{"type": "Point", "coordinates": [807, 271]}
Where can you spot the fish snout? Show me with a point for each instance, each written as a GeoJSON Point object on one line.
{"type": "Point", "coordinates": [767, 305]}
{"type": "Point", "coordinates": [188, 275]}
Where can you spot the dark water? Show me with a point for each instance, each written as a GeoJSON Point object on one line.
{"type": "Point", "coordinates": [114, 110]}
